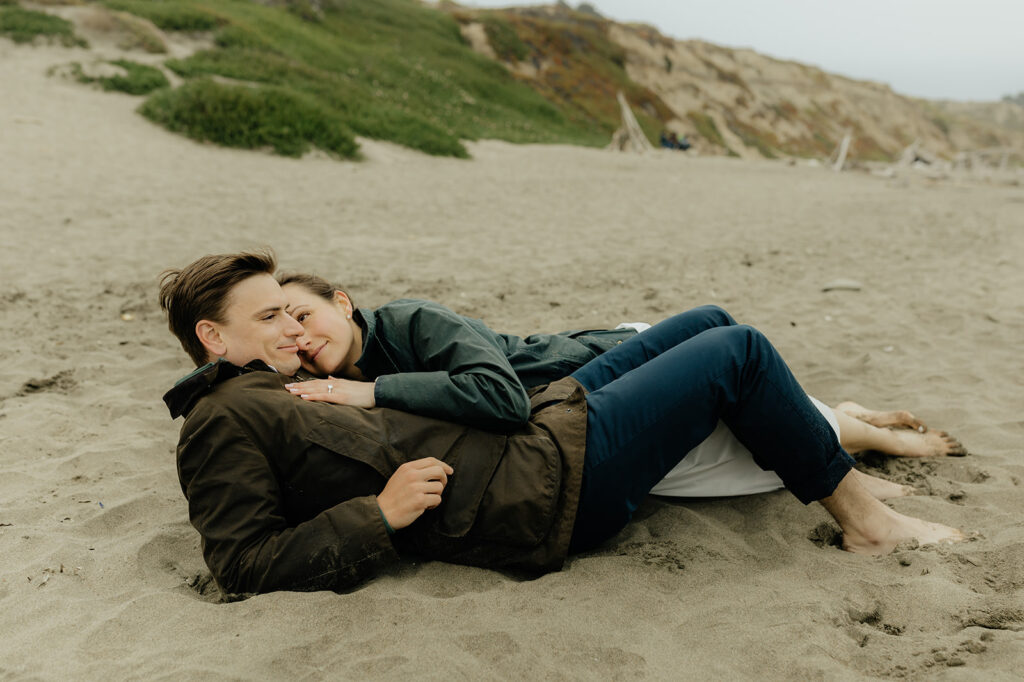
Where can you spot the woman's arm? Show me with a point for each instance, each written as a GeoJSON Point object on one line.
{"type": "Point", "coordinates": [449, 368]}
{"type": "Point", "coordinates": [429, 360]}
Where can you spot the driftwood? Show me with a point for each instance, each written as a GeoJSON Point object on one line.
{"type": "Point", "coordinates": [838, 157]}
{"type": "Point", "coordinates": [913, 153]}
{"type": "Point", "coordinates": [629, 136]}
{"type": "Point", "coordinates": [992, 158]}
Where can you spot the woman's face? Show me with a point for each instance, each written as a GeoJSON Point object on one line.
{"type": "Point", "coordinates": [331, 341]}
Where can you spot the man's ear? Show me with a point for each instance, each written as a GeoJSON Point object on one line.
{"type": "Point", "coordinates": [209, 336]}
{"type": "Point", "coordinates": [342, 299]}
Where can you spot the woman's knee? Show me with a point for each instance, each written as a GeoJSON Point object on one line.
{"type": "Point", "coordinates": [703, 318]}
{"type": "Point", "coordinates": [742, 340]}
{"type": "Point", "coordinates": [717, 316]}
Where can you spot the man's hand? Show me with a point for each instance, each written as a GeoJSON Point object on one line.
{"type": "Point", "coordinates": [414, 488]}
{"type": "Point", "coordinates": [337, 391]}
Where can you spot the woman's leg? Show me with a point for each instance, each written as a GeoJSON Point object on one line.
{"type": "Point", "coordinates": [649, 344]}
{"type": "Point", "coordinates": [857, 436]}
{"type": "Point", "coordinates": [642, 423]}
{"type": "Point", "coordinates": [720, 466]}
{"type": "Point", "coordinates": [882, 418]}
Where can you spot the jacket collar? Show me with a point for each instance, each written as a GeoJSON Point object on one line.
{"type": "Point", "coordinates": [366, 320]}
{"type": "Point", "coordinates": [189, 389]}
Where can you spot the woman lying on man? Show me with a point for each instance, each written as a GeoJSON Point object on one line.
{"type": "Point", "coordinates": [420, 357]}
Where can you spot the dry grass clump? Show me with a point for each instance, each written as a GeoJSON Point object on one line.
{"type": "Point", "coordinates": [133, 33]}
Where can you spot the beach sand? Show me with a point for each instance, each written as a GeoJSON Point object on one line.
{"type": "Point", "coordinates": [101, 575]}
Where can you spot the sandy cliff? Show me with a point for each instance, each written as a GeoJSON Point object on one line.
{"type": "Point", "coordinates": [736, 101]}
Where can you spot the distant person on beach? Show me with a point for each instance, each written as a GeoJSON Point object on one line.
{"type": "Point", "coordinates": [673, 141]}
{"type": "Point", "coordinates": [303, 494]}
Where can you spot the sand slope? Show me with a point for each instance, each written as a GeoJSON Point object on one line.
{"type": "Point", "coordinates": [100, 573]}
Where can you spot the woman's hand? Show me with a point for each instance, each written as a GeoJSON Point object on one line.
{"type": "Point", "coordinates": [337, 391]}
{"type": "Point", "coordinates": [415, 487]}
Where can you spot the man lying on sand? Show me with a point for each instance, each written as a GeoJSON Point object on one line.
{"type": "Point", "coordinates": [305, 495]}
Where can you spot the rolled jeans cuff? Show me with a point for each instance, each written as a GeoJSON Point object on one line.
{"type": "Point", "coordinates": [817, 485]}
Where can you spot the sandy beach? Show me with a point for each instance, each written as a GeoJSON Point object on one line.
{"type": "Point", "coordinates": [101, 576]}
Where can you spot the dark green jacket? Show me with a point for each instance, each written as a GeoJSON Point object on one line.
{"type": "Point", "coordinates": [429, 360]}
{"type": "Point", "coordinates": [283, 491]}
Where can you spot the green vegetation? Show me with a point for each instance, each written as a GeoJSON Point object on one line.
{"type": "Point", "coordinates": [250, 118]}
{"type": "Point", "coordinates": [706, 128]}
{"type": "Point", "coordinates": [22, 26]}
{"type": "Point", "coordinates": [138, 79]}
{"type": "Point", "coordinates": [765, 143]}
{"type": "Point", "coordinates": [583, 70]}
{"type": "Point", "coordinates": [173, 16]}
{"type": "Point", "coordinates": [386, 69]}
{"type": "Point", "coordinates": [503, 38]}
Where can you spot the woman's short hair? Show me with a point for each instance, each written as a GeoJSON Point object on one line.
{"type": "Point", "coordinates": [200, 291]}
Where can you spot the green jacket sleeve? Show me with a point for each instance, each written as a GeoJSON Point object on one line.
{"type": "Point", "coordinates": [450, 369]}
{"type": "Point", "coordinates": [235, 504]}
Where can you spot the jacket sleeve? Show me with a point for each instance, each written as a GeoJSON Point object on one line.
{"type": "Point", "coordinates": [235, 503]}
{"type": "Point", "coordinates": [460, 375]}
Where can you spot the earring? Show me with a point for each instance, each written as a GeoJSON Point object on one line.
{"type": "Point", "coordinates": [348, 317]}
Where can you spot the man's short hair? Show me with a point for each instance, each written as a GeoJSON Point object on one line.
{"type": "Point", "coordinates": [200, 291]}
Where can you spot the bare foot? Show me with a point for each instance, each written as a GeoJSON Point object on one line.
{"type": "Point", "coordinates": [881, 489]}
{"type": "Point", "coordinates": [892, 418]}
{"type": "Point", "coordinates": [931, 444]}
{"type": "Point", "coordinates": [884, 538]}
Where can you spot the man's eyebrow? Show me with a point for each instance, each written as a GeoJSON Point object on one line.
{"type": "Point", "coordinates": [268, 309]}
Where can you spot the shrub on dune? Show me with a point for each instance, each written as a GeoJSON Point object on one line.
{"type": "Point", "coordinates": [250, 118]}
{"type": "Point", "coordinates": [23, 25]}
{"type": "Point", "coordinates": [138, 79]}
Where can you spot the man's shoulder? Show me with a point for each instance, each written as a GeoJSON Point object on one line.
{"type": "Point", "coordinates": [219, 379]}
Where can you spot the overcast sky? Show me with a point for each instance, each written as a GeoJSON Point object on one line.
{"type": "Point", "coordinates": [940, 49]}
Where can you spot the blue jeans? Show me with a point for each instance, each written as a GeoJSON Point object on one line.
{"type": "Point", "coordinates": [656, 396]}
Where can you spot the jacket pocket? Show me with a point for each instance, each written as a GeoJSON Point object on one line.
{"type": "Point", "coordinates": [518, 507]}
{"type": "Point", "coordinates": [344, 441]}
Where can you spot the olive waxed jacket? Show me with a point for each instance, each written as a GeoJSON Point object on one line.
{"type": "Point", "coordinates": [429, 360]}
{"type": "Point", "coordinates": [283, 490]}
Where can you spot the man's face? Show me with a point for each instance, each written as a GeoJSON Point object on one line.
{"type": "Point", "coordinates": [256, 326]}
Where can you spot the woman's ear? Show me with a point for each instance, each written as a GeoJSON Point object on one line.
{"type": "Point", "coordinates": [342, 299]}
{"type": "Point", "coordinates": [211, 339]}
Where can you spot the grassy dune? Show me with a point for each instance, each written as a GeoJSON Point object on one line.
{"type": "Point", "coordinates": [384, 69]}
